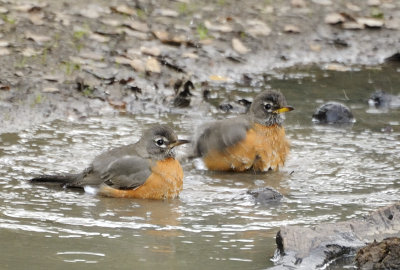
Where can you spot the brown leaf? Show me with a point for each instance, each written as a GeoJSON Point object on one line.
{"type": "Point", "coordinates": [36, 18]}
{"type": "Point", "coordinates": [136, 34]}
{"type": "Point", "coordinates": [138, 26]}
{"type": "Point", "coordinates": [4, 51]}
{"type": "Point", "coordinates": [239, 47]}
{"type": "Point", "coordinates": [152, 65]}
{"type": "Point", "coordinates": [337, 67]}
{"type": "Point", "coordinates": [153, 51]}
{"type": "Point", "coordinates": [352, 26]}
{"type": "Point", "coordinates": [298, 3]}
{"type": "Point", "coordinates": [138, 65]}
{"type": "Point", "coordinates": [291, 28]}
{"type": "Point", "coordinates": [5, 87]}
{"type": "Point", "coordinates": [257, 28]}
{"type": "Point", "coordinates": [334, 18]}
{"type": "Point", "coordinates": [371, 22]}
{"type": "Point", "coordinates": [50, 90]}
{"type": "Point", "coordinates": [122, 60]}
{"type": "Point", "coordinates": [29, 52]}
{"type": "Point", "coordinates": [225, 28]}
{"type": "Point", "coordinates": [123, 9]}
{"type": "Point", "coordinates": [117, 104]}
{"type": "Point", "coordinates": [39, 39]}
{"type": "Point", "coordinates": [99, 38]}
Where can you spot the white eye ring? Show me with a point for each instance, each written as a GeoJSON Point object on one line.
{"type": "Point", "coordinates": [161, 142]}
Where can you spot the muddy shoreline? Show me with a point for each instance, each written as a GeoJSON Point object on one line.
{"type": "Point", "coordinates": [71, 60]}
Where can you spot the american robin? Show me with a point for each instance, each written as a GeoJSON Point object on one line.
{"type": "Point", "coordinates": [333, 113]}
{"type": "Point", "coordinates": [146, 169]}
{"type": "Point", "coordinates": [254, 141]}
{"type": "Point", "coordinates": [383, 100]}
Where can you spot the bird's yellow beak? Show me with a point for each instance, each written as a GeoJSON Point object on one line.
{"type": "Point", "coordinates": [284, 109]}
{"type": "Point", "coordinates": [178, 142]}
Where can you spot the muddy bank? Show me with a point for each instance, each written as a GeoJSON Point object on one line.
{"type": "Point", "coordinates": [74, 59]}
{"type": "Point", "coordinates": [310, 248]}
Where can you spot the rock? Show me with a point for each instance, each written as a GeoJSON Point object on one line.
{"type": "Point", "coordinates": [183, 95]}
{"type": "Point", "coordinates": [353, 26]}
{"type": "Point", "coordinates": [29, 52]}
{"type": "Point", "coordinates": [265, 195]}
{"type": "Point", "coordinates": [99, 38]}
{"type": "Point", "coordinates": [382, 255]}
{"type": "Point", "coordinates": [138, 65]}
{"type": "Point", "coordinates": [152, 51]}
{"type": "Point", "coordinates": [316, 246]}
{"type": "Point", "coordinates": [370, 22]}
{"type": "Point", "coordinates": [123, 9]}
{"type": "Point", "coordinates": [239, 47]}
{"type": "Point", "coordinates": [4, 51]}
{"type": "Point", "coordinates": [333, 113]}
{"type": "Point", "coordinates": [258, 28]}
{"type": "Point", "coordinates": [39, 39]}
{"type": "Point", "coordinates": [166, 13]}
{"type": "Point", "coordinates": [337, 67]}
{"type": "Point", "coordinates": [225, 28]}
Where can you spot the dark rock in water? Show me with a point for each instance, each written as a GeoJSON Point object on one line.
{"type": "Point", "coordinates": [382, 255]}
{"type": "Point", "coordinates": [225, 107]}
{"type": "Point", "coordinates": [382, 100]}
{"type": "Point", "coordinates": [313, 247]}
{"type": "Point", "coordinates": [333, 113]}
{"type": "Point", "coordinates": [265, 195]}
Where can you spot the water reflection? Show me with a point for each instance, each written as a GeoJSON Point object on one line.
{"type": "Point", "coordinates": [332, 174]}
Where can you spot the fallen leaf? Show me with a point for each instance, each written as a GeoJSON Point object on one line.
{"type": "Point", "coordinates": [29, 52]}
{"type": "Point", "coordinates": [165, 13]}
{"type": "Point", "coordinates": [36, 18]}
{"type": "Point", "coordinates": [3, 10]}
{"type": "Point", "coordinates": [118, 104]}
{"type": "Point", "coordinates": [138, 65]}
{"type": "Point", "coordinates": [123, 9]}
{"type": "Point", "coordinates": [190, 55]}
{"type": "Point", "coordinates": [136, 34]}
{"type": "Point", "coordinates": [257, 28]}
{"type": "Point", "coordinates": [334, 18]}
{"type": "Point", "coordinates": [221, 28]}
{"type": "Point", "coordinates": [370, 22]}
{"type": "Point", "coordinates": [91, 11]}
{"type": "Point", "coordinates": [4, 51]}
{"type": "Point", "coordinates": [337, 67]}
{"type": "Point", "coordinates": [4, 43]}
{"type": "Point", "coordinates": [152, 51]}
{"type": "Point", "coordinates": [99, 38]}
{"type": "Point", "coordinates": [218, 78]}
{"type": "Point", "coordinates": [122, 60]}
{"type": "Point", "coordinates": [352, 26]}
{"type": "Point", "coordinates": [39, 39]}
{"type": "Point", "coordinates": [50, 90]}
{"type": "Point", "coordinates": [166, 38]}
{"type": "Point", "coordinates": [111, 22]}
{"type": "Point", "coordinates": [152, 65]}
{"type": "Point", "coordinates": [138, 26]}
{"type": "Point", "coordinates": [291, 28]}
{"type": "Point", "coordinates": [5, 87]}
{"type": "Point", "coordinates": [239, 46]}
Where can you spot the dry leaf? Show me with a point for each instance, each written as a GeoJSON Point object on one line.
{"type": "Point", "coordinates": [298, 3]}
{"type": "Point", "coordinates": [122, 60]}
{"type": "Point", "coordinates": [152, 65]}
{"type": "Point", "coordinates": [221, 28]}
{"type": "Point", "coordinates": [39, 39]}
{"type": "Point", "coordinates": [153, 51]}
{"type": "Point", "coordinates": [334, 18]}
{"type": "Point", "coordinates": [352, 26]}
{"type": "Point", "coordinates": [3, 10]}
{"type": "Point", "coordinates": [99, 38]}
{"type": "Point", "coordinates": [118, 104]}
{"type": "Point", "coordinates": [4, 51]}
{"type": "Point", "coordinates": [138, 26]}
{"type": "Point", "coordinates": [239, 46]}
{"type": "Point", "coordinates": [111, 22]}
{"type": "Point", "coordinates": [4, 43]}
{"type": "Point", "coordinates": [136, 34]}
{"type": "Point", "coordinates": [124, 9]}
{"type": "Point", "coordinates": [315, 47]}
{"type": "Point", "coordinates": [337, 67]}
{"type": "Point", "coordinates": [91, 55]}
{"type": "Point", "coordinates": [29, 52]}
{"type": "Point", "coordinates": [370, 22]}
{"type": "Point", "coordinates": [218, 78]}
{"type": "Point", "coordinates": [166, 13]}
{"type": "Point", "coordinates": [190, 55]}
{"type": "Point", "coordinates": [291, 28]}
{"type": "Point", "coordinates": [36, 18]}
{"type": "Point", "coordinates": [138, 65]}
{"type": "Point", "coordinates": [50, 90]}
{"type": "Point", "coordinates": [258, 28]}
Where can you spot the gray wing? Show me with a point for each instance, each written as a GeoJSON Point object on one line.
{"type": "Point", "coordinates": [127, 172]}
{"type": "Point", "coordinates": [221, 135]}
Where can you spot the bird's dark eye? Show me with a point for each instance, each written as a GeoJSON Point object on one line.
{"type": "Point", "coordinates": [268, 106]}
{"type": "Point", "coordinates": [160, 142]}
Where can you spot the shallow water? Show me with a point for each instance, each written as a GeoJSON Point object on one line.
{"type": "Point", "coordinates": [332, 174]}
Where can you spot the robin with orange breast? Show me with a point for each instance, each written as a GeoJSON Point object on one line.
{"type": "Point", "coordinates": [147, 169]}
{"type": "Point", "coordinates": [255, 141]}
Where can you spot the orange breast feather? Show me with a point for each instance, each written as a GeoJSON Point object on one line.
{"type": "Point", "coordinates": [263, 148]}
{"type": "Point", "coordinates": [166, 181]}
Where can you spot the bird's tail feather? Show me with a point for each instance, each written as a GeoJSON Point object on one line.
{"type": "Point", "coordinates": [54, 179]}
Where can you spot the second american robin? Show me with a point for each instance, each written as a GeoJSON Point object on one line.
{"type": "Point", "coordinates": [146, 169]}
{"type": "Point", "coordinates": [255, 141]}
{"type": "Point", "coordinates": [333, 113]}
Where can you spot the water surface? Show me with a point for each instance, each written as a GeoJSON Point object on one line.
{"type": "Point", "coordinates": [332, 174]}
